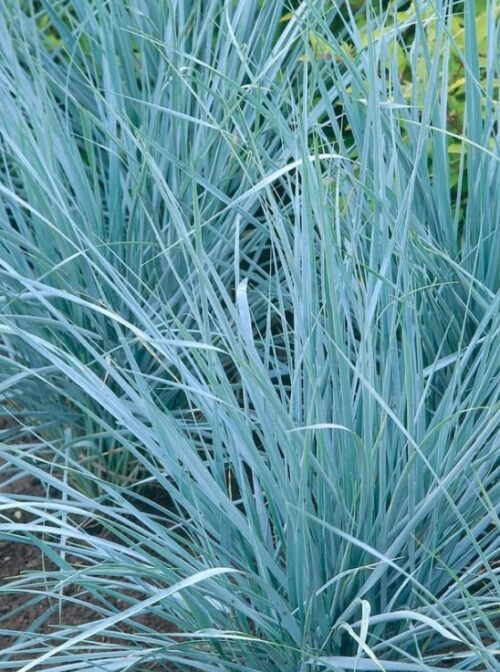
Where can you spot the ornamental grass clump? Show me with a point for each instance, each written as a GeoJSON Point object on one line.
{"type": "Point", "coordinates": [249, 327]}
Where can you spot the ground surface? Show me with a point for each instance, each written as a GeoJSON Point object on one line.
{"type": "Point", "coordinates": [17, 559]}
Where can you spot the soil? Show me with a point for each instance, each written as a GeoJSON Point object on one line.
{"type": "Point", "coordinates": [18, 559]}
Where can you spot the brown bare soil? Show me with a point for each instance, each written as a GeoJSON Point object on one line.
{"type": "Point", "coordinates": [18, 559]}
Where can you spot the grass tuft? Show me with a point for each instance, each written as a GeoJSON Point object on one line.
{"type": "Point", "coordinates": [249, 327]}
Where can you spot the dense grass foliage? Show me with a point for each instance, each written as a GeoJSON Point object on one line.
{"type": "Point", "coordinates": [249, 327]}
